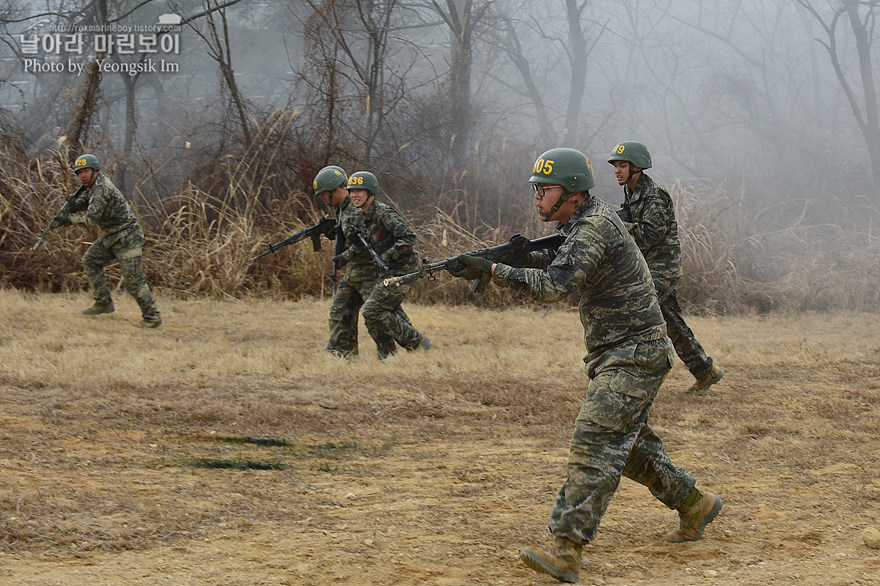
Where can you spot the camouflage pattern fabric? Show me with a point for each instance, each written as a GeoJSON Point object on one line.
{"type": "Point", "coordinates": [386, 320]}
{"type": "Point", "coordinates": [683, 339]}
{"type": "Point", "coordinates": [391, 237]}
{"type": "Point", "coordinates": [600, 261]}
{"type": "Point", "coordinates": [612, 438]}
{"type": "Point", "coordinates": [347, 301]}
{"type": "Point", "coordinates": [359, 263]}
{"type": "Point", "coordinates": [650, 217]}
{"type": "Point", "coordinates": [344, 311]}
{"type": "Point", "coordinates": [106, 208]}
{"type": "Point", "coordinates": [628, 357]}
{"type": "Point", "coordinates": [121, 238]}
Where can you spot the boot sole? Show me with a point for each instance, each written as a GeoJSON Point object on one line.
{"type": "Point", "coordinates": [103, 311]}
{"type": "Point", "coordinates": [537, 563]}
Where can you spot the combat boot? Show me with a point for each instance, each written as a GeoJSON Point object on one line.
{"type": "Point", "coordinates": [99, 308]}
{"type": "Point", "coordinates": [702, 384]}
{"type": "Point", "coordinates": [150, 323]}
{"type": "Point", "coordinates": [561, 559]}
{"type": "Point", "coordinates": [694, 518]}
{"type": "Point", "coordinates": [424, 344]}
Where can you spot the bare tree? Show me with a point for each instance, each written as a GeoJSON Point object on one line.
{"type": "Point", "coordinates": [462, 17]}
{"type": "Point", "coordinates": [217, 41]}
{"type": "Point", "coordinates": [364, 32]}
{"type": "Point", "coordinates": [861, 92]}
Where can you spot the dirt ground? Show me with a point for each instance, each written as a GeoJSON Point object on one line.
{"type": "Point", "coordinates": [275, 464]}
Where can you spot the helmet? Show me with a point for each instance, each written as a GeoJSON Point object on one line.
{"type": "Point", "coordinates": [364, 180]}
{"type": "Point", "coordinates": [569, 168]}
{"type": "Point", "coordinates": [634, 152]}
{"type": "Point", "coordinates": [86, 161]}
{"type": "Point", "coordinates": [328, 179]}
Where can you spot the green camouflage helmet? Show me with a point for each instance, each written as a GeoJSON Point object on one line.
{"type": "Point", "coordinates": [569, 168]}
{"type": "Point", "coordinates": [363, 180]}
{"type": "Point", "coordinates": [86, 161]}
{"type": "Point", "coordinates": [328, 179]}
{"type": "Point", "coordinates": [634, 152]}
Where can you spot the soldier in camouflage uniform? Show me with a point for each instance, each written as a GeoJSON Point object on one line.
{"type": "Point", "coordinates": [121, 238]}
{"type": "Point", "coordinates": [649, 215]}
{"type": "Point", "coordinates": [389, 235]}
{"type": "Point", "coordinates": [628, 357]}
{"type": "Point", "coordinates": [329, 185]}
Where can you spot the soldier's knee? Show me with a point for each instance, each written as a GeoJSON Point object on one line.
{"type": "Point", "coordinates": [372, 312]}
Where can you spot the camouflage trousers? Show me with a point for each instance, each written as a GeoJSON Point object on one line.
{"type": "Point", "coordinates": [612, 438]}
{"type": "Point", "coordinates": [686, 345]}
{"type": "Point", "coordinates": [128, 250]}
{"type": "Point", "coordinates": [386, 321]}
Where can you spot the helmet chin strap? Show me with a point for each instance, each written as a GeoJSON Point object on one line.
{"type": "Point", "coordinates": [559, 203]}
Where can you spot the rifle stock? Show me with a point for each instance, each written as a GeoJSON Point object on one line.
{"type": "Point", "coordinates": [63, 211]}
{"type": "Point", "coordinates": [326, 227]}
{"type": "Point", "coordinates": [500, 254]}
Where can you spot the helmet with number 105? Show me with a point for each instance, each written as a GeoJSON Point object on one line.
{"type": "Point", "coordinates": [363, 180]}
{"type": "Point", "coordinates": [87, 161]}
{"type": "Point", "coordinates": [567, 167]}
{"type": "Point", "coordinates": [634, 152]}
{"type": "Point", "coordinates": [328, 179]}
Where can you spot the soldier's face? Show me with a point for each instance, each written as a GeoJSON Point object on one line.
{"type": "Point", "coordinates": [333, 197]}
{"type": "Point", "coordinates": [546, 197]}
{"type": "Point", "coordinates": [359, 196]}
{"type": "Point", "coordinates": [622, 171]}
{"type": "Point", "coordinates": [87, 176]}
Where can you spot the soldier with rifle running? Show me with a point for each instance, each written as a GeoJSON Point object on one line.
{"type": "Point", "coordinates": [628, 358]}
{"type": "Point", "coordinates": [381, 245]}
{"type": "Point", "coordinates": [121, 238]}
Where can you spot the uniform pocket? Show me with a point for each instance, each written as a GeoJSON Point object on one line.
{"type": "Point", "coordinates": [616, 400]}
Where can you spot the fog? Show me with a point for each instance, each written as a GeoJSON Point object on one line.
{"type": "Point", "coordinates": [774, 97]}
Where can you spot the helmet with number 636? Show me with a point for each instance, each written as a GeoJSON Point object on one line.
{"type": "Point", "coordinates": [364, 180]}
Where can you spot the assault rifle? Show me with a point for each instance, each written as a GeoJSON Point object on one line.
{"type": "Point", "coordinates": [504, 253]}
{"type": "Point", "coordinates": [376, 258]}
{"type": "Point", "coordinates": [326, 226]}
{"type": "Point", "coordinates": [53, 223]}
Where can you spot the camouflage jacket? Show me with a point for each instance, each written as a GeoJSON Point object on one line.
{"type": "Point", "coordinates": [388, 234]}
{"type": "Point", "coordinates": [106, 208]}
{"type": "Point", "coordinates": [649, 216]}
{"type": "Point", "coordinates": [600, 261]}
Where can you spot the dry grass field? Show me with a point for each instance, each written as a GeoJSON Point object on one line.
{"type": "Point", "coordinates": [227, 448]}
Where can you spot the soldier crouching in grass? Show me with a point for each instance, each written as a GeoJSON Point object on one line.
{"type": "Point", "coordinates": [121, 238]}
{"type": "Point", "coordinates": [628, 358]}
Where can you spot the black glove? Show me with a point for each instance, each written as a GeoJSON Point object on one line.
{"type": "Point", "coordinates": [62, 221]}
{"type": "Point", "coordinates": [471, 268]}
{"type": "Point", "coordinates": [79, 204]}
{"type": "Point", "coordinates": [340, 260]}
